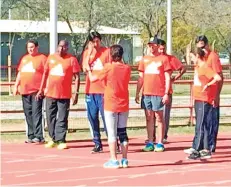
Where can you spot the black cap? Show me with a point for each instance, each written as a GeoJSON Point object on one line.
{"type": "Point", "coordinates": [154, 40]}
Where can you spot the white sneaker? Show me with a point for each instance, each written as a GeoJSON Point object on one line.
{"type": "Point", "coordinates": [189, 151]}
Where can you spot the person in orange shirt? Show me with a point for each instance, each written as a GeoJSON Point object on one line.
{"type": "Point", "coordinates": [95, 56]}
{"type": "Point", "coordinates": [176, 65]}
{"type": "Point", "coordinates": [154, 77]}
{"type": "Point", "coordinates": [30, 71]}
{"type": "Point", "coordinates": [212, 60]}
{"type": "Point", "coordinates": [204, 77]}
{"type": "Point", "coordinates": [59, 71]}
{"type": "Point", "coordinates": [116, 103]}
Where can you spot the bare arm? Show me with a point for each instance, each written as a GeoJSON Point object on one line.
{"type": "Point", "coordinates": [77, 85]}
{"type": "Point", "coordinates": [92, 78]}
{"type": "Point", "coordinates": [179, 74]}
{"type": "Point", "coordinates": [216, 78]}
{"type": "Point", "coordinates": [140, 83]}
{"type": "Point", "coordinates": [17, 83]}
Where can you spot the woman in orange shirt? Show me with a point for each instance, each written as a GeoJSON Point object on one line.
{"type": "Point", "coordinates": [116, 104]}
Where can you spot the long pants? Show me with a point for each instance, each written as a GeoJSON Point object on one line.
{"type": "Point", "coordinates": [167, 110]}
{"type": "Point", "coordinates": [33, 113]}
{"type": "Point", "coordinates": [201, 139]}
{"type": "Point", "coordinates": [94, 106]}
{"type": "Point", "coordinates": [214, 126]}
{"type": "Point", "coordinates": [57, 111]}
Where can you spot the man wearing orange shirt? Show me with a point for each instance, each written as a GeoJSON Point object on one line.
{"type": "Point", "coordinates": [176, 65]}
{"type": "Point", "coordinates": [116, 104]}
{"type": "Point", "coordinates": [60, 69]}
{"type": "Point", "coordinates": [96, 57]}
{"type": "Point", "coordinates": [204, 78]}
{"type": "Point", "coordinates": [30, 71]}
{"type": "Point", "coordinates": [154, 77]}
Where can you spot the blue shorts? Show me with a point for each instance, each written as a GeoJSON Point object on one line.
{"type": "Point", "coordinates": [150, 102]}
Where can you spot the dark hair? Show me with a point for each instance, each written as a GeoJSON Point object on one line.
{"type": "Point", "coordinates": [200, 52]}
{"type": "Point", "coordinates": [202, 38]}
{"type": "Point", "coordinates": [35, 42]}
{"type": "Point", "coordinates": [93, 35]}
{"type": "Point", "coordinates": [65, 41]}
{"type": "Point", "coordinates": [116, 52]}
{"type": "Point", "coordinates": [161, 42]}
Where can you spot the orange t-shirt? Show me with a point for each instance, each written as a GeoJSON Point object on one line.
{"type": "Point", "coordinates": [202, 76]}
{"type": "Point", "coordinates": [116, 95]}
{"type": "Point", "coordinates": [213, 61]}
{"type": "Point", "coordinates": [97, 62]}
{"type": "Point", "coordinates": [175, 64]}
{"type": "Point", "coordinates": [31, 70]}
{"type": "Point", "coordinates": [154, 69]}
{"type": "Point", "coordinates": [61, 70]}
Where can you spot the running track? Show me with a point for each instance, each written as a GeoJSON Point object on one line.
{"type": "Point", "coordinates": [33, 165]}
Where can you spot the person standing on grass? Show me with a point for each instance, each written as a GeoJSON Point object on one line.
{"type": "Point", "coordinates": [29, 77]}
{"type": "Point", "coordinates": [95, 56]}
{"type": "Point", "coordinates": [116, 103]}
{"type": "Point", "coordinates": [59, 71]}
{"type": "Point", "coordinates": [154, 77]}
{"type": "Point", "coordinates": [176, 65]}
{"type": "Point", "coordinates": [212, 60]}
{"type": "Point", "coordinates": [204, 78]}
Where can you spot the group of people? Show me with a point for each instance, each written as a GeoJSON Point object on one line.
{"type": "Point", "coordinates": [107, 93]}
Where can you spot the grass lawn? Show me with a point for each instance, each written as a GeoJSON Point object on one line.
{"type": "Point", "coordinates": [132, 132]}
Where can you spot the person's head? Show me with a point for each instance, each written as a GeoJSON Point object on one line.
{"type": "Point", "coordinates": [62, 47]}
{"type": "Point", "coordinates": [162, 46]}
{"type": "Point", "coordinates": [32, 47]}
{"type": "Point", "coordinates": [153, 45]}
{"type": "Point", "coordinates": [202, 42]}
{"type": "Point", "coordinates": [200, 52]}
{"type": "Point", "coordinates": [116, 52]}
{"type": "Point", "coordinates": [95, 38]}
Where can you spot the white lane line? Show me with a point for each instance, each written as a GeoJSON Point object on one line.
{"type": "Point", "coordinates": [103, 182]}
{"type": "Point", "coordinates": [87, 166]}
{"type": "Point", "coordinates": [111, 177]}
{"type": "Point", "coordinates": [136, 176]}
{"type": "Point", "coordinates": [57, 170]}
{"type": "Point", "coordinates": [222, 182]}
{"type": "Point", "coordinates": [14, 161]}
{"type": "Point", "coordinates": [27, 175]}
{"type": "Point", "coordinates": [164, 171]}
{"type": "Point", "coordinates": [50, 169]}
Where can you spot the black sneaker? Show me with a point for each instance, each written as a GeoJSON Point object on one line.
{"type": "Point", "coordinates": [29, 141]}
{"type": "Point", "coordinates": [193, 156]}
{"type": "Point", "coordinates": [97, 149]}
{"type": "Point", "coordinates": [205, 154]}
{"type": "Point", "coordinates": [38, 140]}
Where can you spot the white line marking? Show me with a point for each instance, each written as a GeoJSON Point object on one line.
{"type": "Point", "coordinates": [25, 175]}
{"type": "Point", "coordinates": [81, 185]}
{"type": "Point", "coordinates": [14, 161]}
{"type": "Point", "coordinates": [164, 171]}
{"type": "Point", "coordinates": [111, 177]}
{"type": "Point", "coordinates": [222, 182]}
{"type": "Point", "coordinates": [200, 183]}
{"type": "Point", "coordinates": [136, 176]}
{"type": "Point", "coordinates": [113, 180]}
{"type": "Point", "coordinates": [87, 166]}
{"type": "Point", "coordinates": [57, 170]}
{"type": "Point", "coordinates": [50, 169]}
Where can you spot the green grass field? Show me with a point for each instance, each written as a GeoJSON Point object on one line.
{"type": "Point", "coordinates": [85, 134]}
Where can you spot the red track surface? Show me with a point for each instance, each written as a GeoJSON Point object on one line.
{"type": "Point", "coordinates": [33, 165]}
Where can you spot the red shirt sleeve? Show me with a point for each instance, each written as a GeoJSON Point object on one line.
{"type": "Point", "coordinates": [75, 65]}
{"type": "Point", "coordinates": [175, 63]}
{"type": "Point", "coordinates": [216, 63]}
{"type": "Point", "coordinates": [166, 62]}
